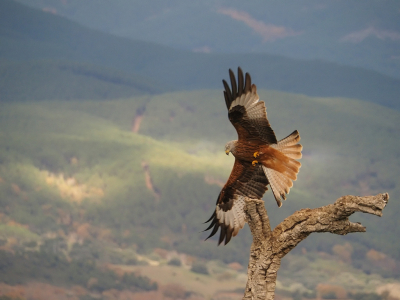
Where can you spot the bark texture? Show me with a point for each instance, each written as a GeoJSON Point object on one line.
{"type": "Point", "coordinates": [270, 246]}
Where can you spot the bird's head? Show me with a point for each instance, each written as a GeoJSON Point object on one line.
{"type": "Point", "coordinates": [229, 147]}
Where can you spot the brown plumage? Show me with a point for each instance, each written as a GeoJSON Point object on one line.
{"type": "Point", "coordinates": [259, 158]}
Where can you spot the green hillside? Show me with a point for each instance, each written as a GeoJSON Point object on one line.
{"type": "Point", "coordinates": [41, 80]}
{"type": "Point", "coordinates": [29, 34]}
{"type": "Point", "coordinates": [78, 167]}
{"type": "Point", "coordinates": [66, 161]}
{"type": "Point", "coordinates": [349, 146]}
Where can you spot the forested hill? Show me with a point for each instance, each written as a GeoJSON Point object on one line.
{"type": "Point", "coordinates": [63, 80]}
{"type": "Point", "coordinates": [30, 34]}
{"type": "Point", "coordinates": [149, 168]}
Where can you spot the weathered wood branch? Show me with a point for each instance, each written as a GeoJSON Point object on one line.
{"type": "Point", "coordinates": [270, 246]}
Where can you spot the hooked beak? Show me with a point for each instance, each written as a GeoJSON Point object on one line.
{"type": "Point", "coordinates": [227, 152]}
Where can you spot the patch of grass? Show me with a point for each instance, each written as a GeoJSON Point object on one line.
{"type": "Point", "coordinates": [18, 232]}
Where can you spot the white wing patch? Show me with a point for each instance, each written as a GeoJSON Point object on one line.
{"type": "Point", "coordinates": [233, 218]}
{"type": "Point", "coordinates": [255, 108]}
{"type": "Point", "coordinates": [246, 100]}
{"type": "Point", "coordinates": [257, 111]}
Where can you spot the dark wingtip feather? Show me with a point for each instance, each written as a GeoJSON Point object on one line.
{"type": "Point", "coordinates": [227, 94]}
{"type": "Point", "coordinates": [247, 86]}
{"type": "Point", "coordinates": [226, 86]}
{"type": "Point", "coordinates": [233, 83]}
{"type": "Point", "coordinates": [227, 101]}
{"type": "Point", "coordinates": [211, 225]}
{"type": "Point", "coordinates": [215, 229]}
{"type": "Point", "coordinates": [240, 82]}
{"type": "Point", "coordinates": [228, 237]}
{"type": "Point", "coordinates": [222, 234]}
{"type": "Point", "coordinates": [212, 216]}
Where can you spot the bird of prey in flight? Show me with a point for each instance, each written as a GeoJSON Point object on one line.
{"type": "Point", "coordinates": [260, 159]}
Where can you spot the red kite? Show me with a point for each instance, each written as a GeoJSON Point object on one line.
{"type": "Point", "coordinates": [259, 158]}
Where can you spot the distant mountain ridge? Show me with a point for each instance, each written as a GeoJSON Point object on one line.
{"type": "Point", "coordinates": [357, 33]}
{"type": "Point", "coordinates": [28, 34]}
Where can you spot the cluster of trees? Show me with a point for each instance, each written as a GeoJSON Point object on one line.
{"type": "Point", "coordinates": [332, 295]}
{"type": "Point", "coordinates": [55, 269]}
{"type": "Point", "coordinates": [200, 268]}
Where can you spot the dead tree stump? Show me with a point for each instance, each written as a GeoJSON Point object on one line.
{"type": "Point", "coordinates": [269, 247]}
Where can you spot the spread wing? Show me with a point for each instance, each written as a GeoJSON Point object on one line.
{"type": "Point", "coordinates": [247, 114]}
{"type": "Point", "coordinates": [245, 180]}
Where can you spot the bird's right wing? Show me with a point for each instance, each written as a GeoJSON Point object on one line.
{"type": "Point", "coordinates": [245, 180]}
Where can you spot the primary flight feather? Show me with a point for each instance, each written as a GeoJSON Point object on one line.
{"type": "Point", "coordinates": [260, 160]}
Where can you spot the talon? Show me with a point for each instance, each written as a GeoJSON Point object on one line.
{"type": "Point", "coordinates": [256, 154]}
{"type": "Point", "coordinates": [254, 162]}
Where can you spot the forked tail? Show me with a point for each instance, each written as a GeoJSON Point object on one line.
{"type": "Point", "coordinates": [281, 178]}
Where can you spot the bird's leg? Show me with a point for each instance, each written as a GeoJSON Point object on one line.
{"type": "Point", "coordinates": [254, 162]}
{"type": "Point", "coordinates": [256, 154]}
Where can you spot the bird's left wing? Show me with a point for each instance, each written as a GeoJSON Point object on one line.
{"type": "Point", "coordinates": [245, 180]}
{"type": "Point", "coordinates": [245, 110]}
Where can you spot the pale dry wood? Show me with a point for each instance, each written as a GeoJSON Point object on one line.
{"type": "Point", "coordinates": [270, 246]}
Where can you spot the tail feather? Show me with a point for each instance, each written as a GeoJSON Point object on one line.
{"type": "Point", "coordinates": [290, 140]}
{"type": "Point", "coordinates": [286, 182]}
{"type": "Point", "coordinates": [289, 145]}
{"type": "Point", "coordinates": [281, 182]}
{"type": "Point", "coordinates": [293, 152]}
{"type": "Point", "coordinates": [278, 183]}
